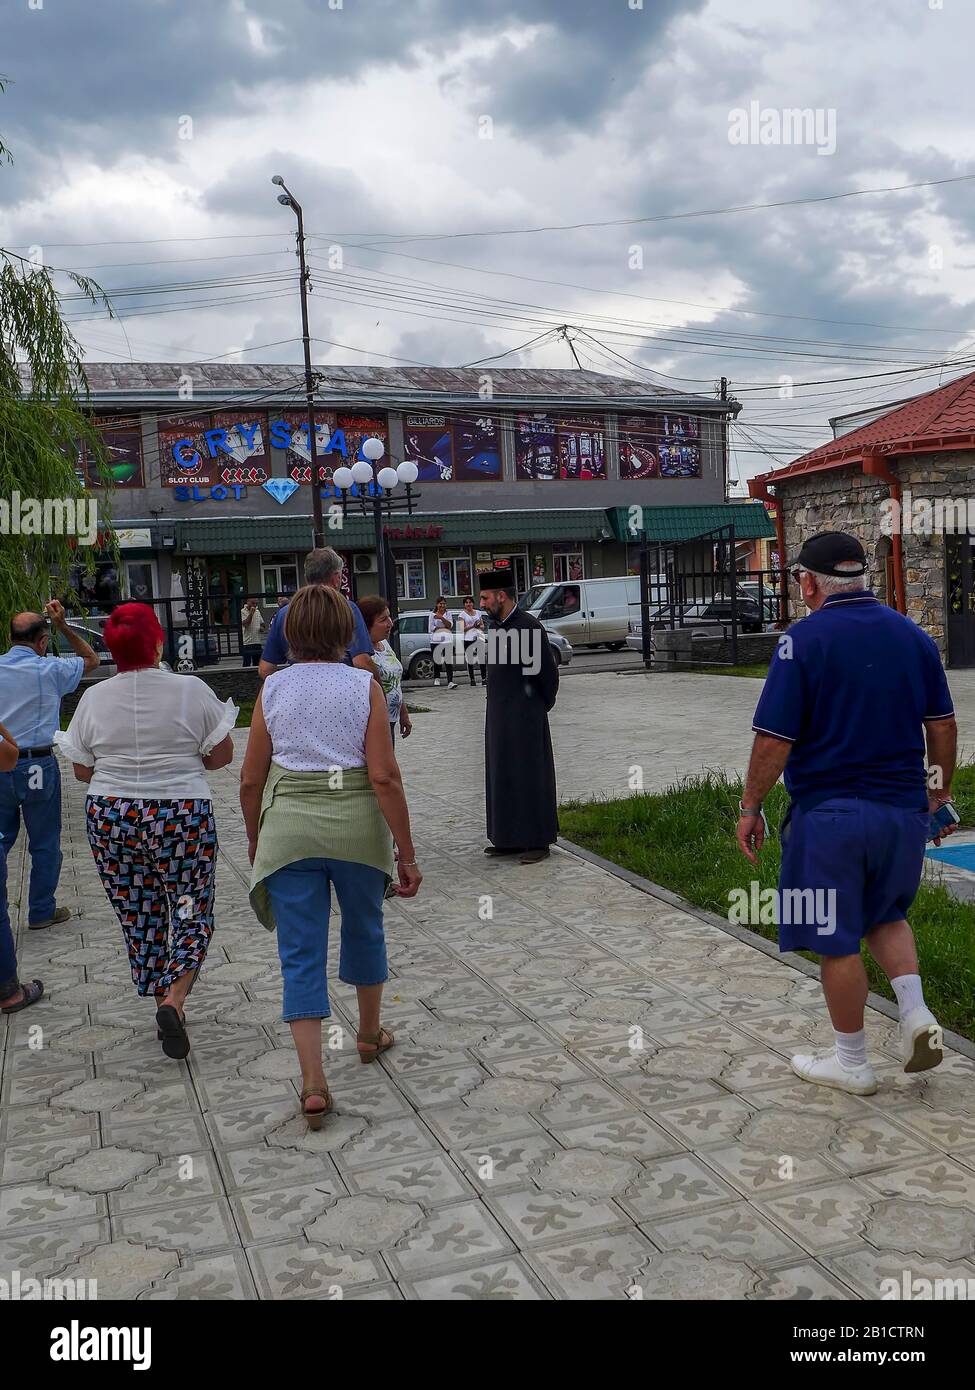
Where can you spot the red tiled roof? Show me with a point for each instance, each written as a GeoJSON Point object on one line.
{"type": "Point", "coordinates": [940, 419]}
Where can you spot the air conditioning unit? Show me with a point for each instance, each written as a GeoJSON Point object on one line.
{"type": "Point", "coordinates": [364, 564]}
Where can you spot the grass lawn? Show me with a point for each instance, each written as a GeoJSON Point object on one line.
{"type": "Point", "coordinates": [683, 839]}
{"type": "Point", "coordinates": [754, 672]}
{"type": "Point", "coordinates": [246, 708]}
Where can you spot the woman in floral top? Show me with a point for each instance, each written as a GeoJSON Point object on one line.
{"type": "Point", "coordinates": [375, 614]}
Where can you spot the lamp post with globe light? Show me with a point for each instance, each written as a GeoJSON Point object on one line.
{"type": "Point", "coordinates": [288, 200]}
{"type": "Point", "coordinates": [375, 493]}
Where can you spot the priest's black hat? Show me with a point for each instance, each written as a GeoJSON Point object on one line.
{"type": "Point", "coordinates": [495, 579]}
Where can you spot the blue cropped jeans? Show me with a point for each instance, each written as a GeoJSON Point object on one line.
{"type": "Point", "coordinates": [301, 897]}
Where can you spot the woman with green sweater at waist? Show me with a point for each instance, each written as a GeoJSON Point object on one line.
{"type": "Point", "coordinates": [323, 801]}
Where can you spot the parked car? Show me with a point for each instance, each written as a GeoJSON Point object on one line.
{"type": "Point", "coordinates": [591, 612]}
{"type": "Point", "coordinates": [750, 589]}
{"type": "Point", "coordinates": [416, 652]}
{"type": "Point", "coordinates": [706, 618]}
{"type": "Point", "coordinates": [95, 640]}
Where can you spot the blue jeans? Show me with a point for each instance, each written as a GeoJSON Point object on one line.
{"type": "Point", "coordinates": [34, 790]}
{"type": "Point", "coordinates": [8, 956]}
{"type": "Point", "coordinates": [301, 897]}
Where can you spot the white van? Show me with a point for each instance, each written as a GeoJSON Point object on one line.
{"type": "Point", "coordinates": [592, 612]}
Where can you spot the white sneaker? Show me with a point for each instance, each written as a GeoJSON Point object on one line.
{"type": "Point", "coordinates": [826, 1069]}
{"type": "Point", "coordinates": [451, 685]}
{"type": "Point", "coordinates": [921, 1040]}
{"type": "Point", "coordinates": [437, 681]}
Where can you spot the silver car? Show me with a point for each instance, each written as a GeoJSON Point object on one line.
{"type": "Point", "coordinates": [416, 652]}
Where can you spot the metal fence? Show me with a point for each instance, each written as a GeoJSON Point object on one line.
{"type": "Point", "coordinates": [200, 630]}
{"type": "Point", "coordinates": [715, 599]}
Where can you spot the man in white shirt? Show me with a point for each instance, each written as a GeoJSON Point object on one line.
{"type": "Point", "coordinates": [32, 684]}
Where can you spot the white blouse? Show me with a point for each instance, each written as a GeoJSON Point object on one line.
{"type": "Point", "coordinates": [146, 733]}
{"type": "Point", "coordinates": [316, 714]}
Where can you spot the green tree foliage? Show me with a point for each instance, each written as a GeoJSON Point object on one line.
{"type": "Point", "coordinates": [44, 423]}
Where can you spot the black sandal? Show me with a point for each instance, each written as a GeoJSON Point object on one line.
{"type": "Point", "coordinates": [172, 1030]}
{"type": "Point", "coordinates": [159, 1032]}
{"type": "Point", "coordinates": [32, 992]}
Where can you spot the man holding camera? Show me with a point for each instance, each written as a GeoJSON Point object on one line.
{"type": "Point", "coordinates": [853, 693]}
{"type": "Point", "coordinates": [32, 684]}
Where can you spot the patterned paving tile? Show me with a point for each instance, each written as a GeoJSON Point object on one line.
{"type": "Point", "coordinates": [590, 1098]}
{"type": "Point", "coordinates": [738, 1232]}
{"type": "Point", "coordinates": [609, 1265]}
{"type": "Point", "coordinates": [507, 1280]}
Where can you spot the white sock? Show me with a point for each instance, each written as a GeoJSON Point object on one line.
{"type": "Point", "coordinates": [851, 1048]}
{"type": "Point", "coordinates": [909, 991]}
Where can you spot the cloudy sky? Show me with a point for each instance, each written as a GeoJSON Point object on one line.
{"type": "Point", "coordinates": [429, 142]}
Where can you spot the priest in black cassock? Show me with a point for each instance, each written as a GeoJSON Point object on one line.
{"type": "Point", "coordinates": [522, 682]}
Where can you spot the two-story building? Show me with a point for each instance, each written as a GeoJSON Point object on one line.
{"type": "Point", "coordinates": [539, 470]}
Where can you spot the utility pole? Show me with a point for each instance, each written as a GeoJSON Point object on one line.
{"type": "Point", "coordinates": [318, 528]}
{"type": "Point", "coordinates": [564, 333]}
{"type": "Point", "coordinates": [724, 441]}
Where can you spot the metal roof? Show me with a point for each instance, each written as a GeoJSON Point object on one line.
{"type": "Point", "coordinates": [939, 419]}
{"type": "Point", "coordinates": [160, 382]}
{"type": "Point", "coordinates": [664, 525]}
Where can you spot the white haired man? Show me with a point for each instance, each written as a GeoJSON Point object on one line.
{"type": "Point", "coordinates": [853, 692]}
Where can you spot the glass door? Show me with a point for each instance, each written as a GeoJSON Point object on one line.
{"type": "Point", "coordinates": [141, 579]}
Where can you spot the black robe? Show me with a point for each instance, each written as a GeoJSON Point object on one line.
{"type": "Point", "coordinates": [519, 765]}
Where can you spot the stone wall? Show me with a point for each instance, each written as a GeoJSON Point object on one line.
{"type": "Point", "coordinates": [678, 647]}
{"type": "Point", "coordinates": [846, 499]}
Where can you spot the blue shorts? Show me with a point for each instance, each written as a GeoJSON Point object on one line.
{"type": "Point", "coordinates": [848, 865]}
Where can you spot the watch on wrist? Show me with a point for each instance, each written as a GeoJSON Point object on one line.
{"type": "Point", "coordinates": [748, 810]}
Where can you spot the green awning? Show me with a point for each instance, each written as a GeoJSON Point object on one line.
{"type": "Point", "coordinates": [240, 535]}
{"type": "Point", "coordinates": [672, 525]}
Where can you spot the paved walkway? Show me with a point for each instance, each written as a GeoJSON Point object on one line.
{"type": "Point", "coordinates": [590, 1096]}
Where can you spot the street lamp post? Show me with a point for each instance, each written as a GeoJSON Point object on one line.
{"type": "Point", "coordinates": [375, 493]}
{"type": "Point", "coordinates": [288, 200]}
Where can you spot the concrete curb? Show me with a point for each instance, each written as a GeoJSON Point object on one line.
{"type": "Point", "coordinates": [653, 890]}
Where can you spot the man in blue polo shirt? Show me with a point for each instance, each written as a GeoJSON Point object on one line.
{"type": "Point", "coordinates": [852, 693]}
{"type": "Point", "coordinates": [322, 566]}
{"type": "Point", "coordinates": [32, 683]}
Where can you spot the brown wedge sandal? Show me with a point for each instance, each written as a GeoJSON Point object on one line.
{"type": "Point", "coordinates": [376, 1043]}
{"type": "Point", "coordinates": [315, 1117]}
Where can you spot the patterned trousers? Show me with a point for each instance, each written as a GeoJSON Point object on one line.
{"type": "Point", "coordinates": [157, 862]}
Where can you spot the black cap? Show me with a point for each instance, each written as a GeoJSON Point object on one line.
{"type": "Point", "coordinates": [495, 579]}
{"type": "Point", "coordinates": [824, 552]}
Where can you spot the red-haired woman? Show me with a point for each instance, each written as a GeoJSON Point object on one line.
{"type": "Point", "coordinates": [142, 740]}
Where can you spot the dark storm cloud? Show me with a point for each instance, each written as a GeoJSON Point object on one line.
{"type": "Point", "coordinates": [109, 75]}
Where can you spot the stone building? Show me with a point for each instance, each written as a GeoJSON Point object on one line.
{"type": "Point", "coordinates": [904, 483]}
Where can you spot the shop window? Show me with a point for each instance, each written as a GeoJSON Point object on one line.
{"type": "Point", "coordinates": [453, 449]}
{"type": "Point", "coordinates": [279, 575]}
{"type": "Point", "coordinates": [565, 447]}
{"type": "Point", "coordinates": [456, 573]}
{"type": "Point", "coordinates": [568, 562]}
{"type": "Point", "coordinates": [659, 446]}
{"type": "Point", "coordinates": [410, 580]}
{"type": "Point", "coordinates": [123, 446]}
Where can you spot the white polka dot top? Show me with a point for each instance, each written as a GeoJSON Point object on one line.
{"type": "Point", "coordinates": [316, 713]}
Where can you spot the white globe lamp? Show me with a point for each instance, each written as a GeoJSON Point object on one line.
{"type": "Point", "coordinates": [342, 478]}
{"type": "Point", "coordinates": [362, 471]}
{"type": "Point", "coordinates": [387, 477]}
{"type": "Point", "coordinates": [407, 472]}
{"type": "Point", "coordinates": [373, 449]}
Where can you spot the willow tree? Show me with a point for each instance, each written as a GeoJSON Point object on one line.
{"type": "Point", "coordinates": [45, 428]}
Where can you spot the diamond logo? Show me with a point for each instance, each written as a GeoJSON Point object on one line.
{"type": "Point", "coordinates": [280, 488]}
